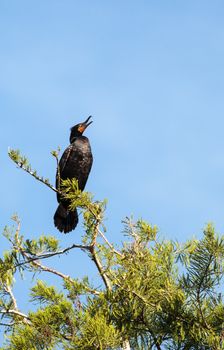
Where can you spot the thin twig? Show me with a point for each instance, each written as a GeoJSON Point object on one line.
{"type": "Point", "coordinates": [95, 257]}
{"type": "Point", "coordinates": [7, 324]}
{"type": "Point", "coordinates": [15, 312]}
{"type": "Point", "coordinates": [108, 243]}
{"type": "Point", "coordinates": [45, 182]}
{"type": "Point", "coordinates": [49, 255]}
{"type": "Point", "coordinates": [32, 173]}
{"type": "Point", "coordinates": [132, 231]}
{"type": "Point", "coordinates": [57, 273]}
{"type": "Point", "coordinates": [9, 291]}
{"type": "Point", "coordinates": [99, 266]}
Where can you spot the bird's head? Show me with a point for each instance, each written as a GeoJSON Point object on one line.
{"type": "Point", "coordinates": [78, 129]}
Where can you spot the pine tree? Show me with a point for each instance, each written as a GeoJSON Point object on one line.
{"type": "Point", "coordinates": [155, 294]}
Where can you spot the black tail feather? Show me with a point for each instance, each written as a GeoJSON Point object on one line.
{"type": "Point", "coordinates": [65, 220]}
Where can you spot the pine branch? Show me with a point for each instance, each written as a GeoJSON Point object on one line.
{"type": "Point", "coordinates": [14, 310]}
{"type": "Point", "coordinates": [99, 266]}
{"type": "Point", "coordinates": [108, 243]}
{"type": "Point", "coordinates": [7, 324]}
{"type": "Point", "coordinates": [17, 313]}
{"type": "Point", "coordinates": [200, 290]}
{"type": "Point", "coordinates": [50, 254]}
{"type": "Point", "coordinates": [96, 259]}
{"type": "Point", "coordinates": [9, 291]}
{"type": "Point", "coordinates": [22, 162]}
{"type": "Point", "coordinates": [57, 273]}
{"type": "Point", "coordinates": [145, 301]}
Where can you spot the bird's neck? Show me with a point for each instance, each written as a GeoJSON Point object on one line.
{"type": "Point", "coordinates": [77, 137]}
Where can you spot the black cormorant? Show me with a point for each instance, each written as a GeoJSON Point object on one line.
{"type": "Point", "coordinates": [76, 162]}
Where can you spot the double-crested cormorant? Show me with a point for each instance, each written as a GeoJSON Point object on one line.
{"type": "Point", "coordinates": [76, 162]}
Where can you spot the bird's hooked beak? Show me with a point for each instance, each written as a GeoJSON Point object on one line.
{"type": "Point", "coordinates": [85, 124]}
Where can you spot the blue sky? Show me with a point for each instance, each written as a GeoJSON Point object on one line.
{"type": "Point", "coordinates": [152, 75]}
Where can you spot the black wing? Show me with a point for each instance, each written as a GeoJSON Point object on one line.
{"type": "Point", "coordinates": [76, 163]}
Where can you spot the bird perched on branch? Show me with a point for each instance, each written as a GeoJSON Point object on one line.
{"type": "Point", "coordinates": [76, 162]}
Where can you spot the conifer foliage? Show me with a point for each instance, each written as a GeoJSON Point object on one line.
{"type": "Point", "coordinates": [154, 294]}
